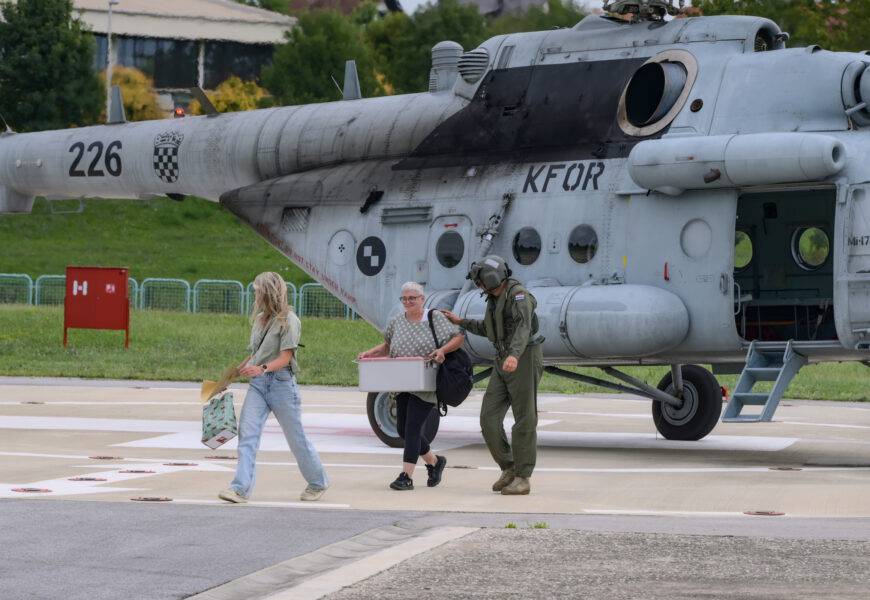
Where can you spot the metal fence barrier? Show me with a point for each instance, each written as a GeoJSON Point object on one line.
{"type": "Point", "coordinates": [206, 295]}
{"type": "Point", "coordinates": [133, 292]}
{"type": "Point", "coordinates": [219, 295]}
{"type": "Point", "coordinates": [50, 290]}
{"type": "Point", "coordinates": [315, 301]}
{"type": "Point", "coordinates": [164, 294]}
{"type": "Point", "coordinates": [249, 296]}
{"type": "Point", "coordinates": [16, 288]}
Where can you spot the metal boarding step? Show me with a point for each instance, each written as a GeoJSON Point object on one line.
{"type": "Point", "coordinates": [774, 362]}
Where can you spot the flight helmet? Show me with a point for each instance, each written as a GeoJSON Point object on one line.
{"type": "Point", "coordinates": [489, 272]}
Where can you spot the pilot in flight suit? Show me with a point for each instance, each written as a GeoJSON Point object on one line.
{"type": "Point", "coordinates": [511, 325]}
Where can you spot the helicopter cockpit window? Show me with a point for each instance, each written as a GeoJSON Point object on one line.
{"type": "Point", "coordinates": [742, 250]}
{"type": "Point", "coordinates": [449, 249]}
{"type": "Point", "coordinates": [582, 243]}
{"type": "Point", "coordinates": [527, 246]}
{"type": "Point", "coordinates": [810, 247]}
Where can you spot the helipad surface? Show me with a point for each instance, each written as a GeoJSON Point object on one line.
{"type": "Point", "coordinates": [598, 454]}
{"type": "Point", "coordinates": [604, 480]}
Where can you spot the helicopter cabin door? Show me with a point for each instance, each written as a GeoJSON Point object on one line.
{"type": "Point", "coordinates": [856, 260]}
{"type": "Point", "coordinates": [449, 247]}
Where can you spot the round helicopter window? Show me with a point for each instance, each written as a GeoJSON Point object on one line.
{"type": "Point", "coordinates": [582, 243]}
{"type": "Point", "coordinates": [449, 249]}
{"type": "Point", "coordinates": [810, 247]}
{"type": "Point", "coordinates": [527, 246]}
{"type": "Point", "coordinates": [742, 250]}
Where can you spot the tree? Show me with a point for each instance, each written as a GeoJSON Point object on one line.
{"type": "Point", "coordinates": [47, 79]}
{"type": "Point", "coordinates": [807, 21]}
{"type": "Point", "coordinates": [234, 95]}
{"type": "Point", "coordinates": [137, 90]}
{"type": "Point", "coordinates": [403, 45]}
{"type": "Point", "coordinates": [303, 69]}
{"type": "Point", "coordinates": [557, 13]}
{"type": "Point", "coordinates": [281, 6]}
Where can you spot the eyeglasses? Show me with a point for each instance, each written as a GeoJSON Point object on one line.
{"type": "Point", "coordinates": [408, 298]}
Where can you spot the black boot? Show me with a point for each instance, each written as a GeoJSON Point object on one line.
{"type": "Point", "coordinates": [435, 471]}
{"type": "Point", "coordinates": [402, 482]}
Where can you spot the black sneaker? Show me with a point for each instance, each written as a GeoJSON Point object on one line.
{"type": "Point", "coordinates": [402, 482]}
{"type": "Point", "coordinates": [435, 471]}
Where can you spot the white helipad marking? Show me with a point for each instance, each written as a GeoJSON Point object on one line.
{"type": "Point", "coordinates": [667, 513]}
{"type": "Point", "coordinates": [62, 486]}
{"type": "Point", "coordinates": [646, 416]}
{"type": "Point", "coordinates": [351, 434]}
{"type": "Point", "coordinates": [835, 425]}
{"type": "Point", "coordinates": [316, 504]}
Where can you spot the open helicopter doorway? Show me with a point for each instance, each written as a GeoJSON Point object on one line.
{"type": "Point", "coordinates": [783, 265]}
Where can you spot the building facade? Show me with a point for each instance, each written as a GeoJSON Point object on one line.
{"type": "Point", "coordinates": [184, 44]}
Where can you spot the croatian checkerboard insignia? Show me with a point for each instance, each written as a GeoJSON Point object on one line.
{"type": "Point", "coordinates": [166, 155]}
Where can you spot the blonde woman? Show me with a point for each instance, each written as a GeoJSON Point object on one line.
{"type": "Point", "coordinates": [272, 368]}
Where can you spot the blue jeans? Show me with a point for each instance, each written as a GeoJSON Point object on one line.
{"type": "Point", "coordinates": [278, 393]}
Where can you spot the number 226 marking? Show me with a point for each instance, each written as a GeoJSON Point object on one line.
{"type": "Point", "coordinates": [112, 160]}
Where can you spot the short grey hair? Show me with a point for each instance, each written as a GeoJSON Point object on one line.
{"type": "Point", "coordinates": [413, 286]}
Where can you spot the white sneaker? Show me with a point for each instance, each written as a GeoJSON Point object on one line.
{"type": "Point", "coordinates": [310, 494]}
{"type": "Point", "coordinates": [231, 495]}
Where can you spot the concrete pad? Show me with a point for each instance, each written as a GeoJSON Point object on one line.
{"type": "Point", "coordinates": [598, 454]}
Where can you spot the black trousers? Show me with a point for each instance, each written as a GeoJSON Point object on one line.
{"type": "Point", "coordinates": [411, 417]}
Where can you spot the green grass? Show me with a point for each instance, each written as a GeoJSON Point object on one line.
{"type": "Point", "coordinates": [193, 239]}
{"type": "Point", "coordinates": [190, 347]}
{"type": "Point", "coordinates": [510, 526]}
{"type": "Point", "coordinates": [167, 346]}
{"type": "Point", "coordinates": [540, 525]}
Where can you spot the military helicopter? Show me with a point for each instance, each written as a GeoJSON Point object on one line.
{"type": "Point", "coordinates": [672, 191]}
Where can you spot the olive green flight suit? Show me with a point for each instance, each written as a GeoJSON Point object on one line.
{"type": "Point", "coordinates": [511, 325]}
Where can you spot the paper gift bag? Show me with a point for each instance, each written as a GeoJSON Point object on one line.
{"type": "Point", "coordinates": [219, 421]}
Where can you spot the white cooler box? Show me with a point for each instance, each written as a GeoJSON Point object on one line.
{"type": "Point", "coordinates": [411, 374]}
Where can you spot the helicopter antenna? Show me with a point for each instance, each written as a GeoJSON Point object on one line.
{"type": "Point", "coordinates": [643, 10]}
{"type": "Point", "coordinates": [5, 124]}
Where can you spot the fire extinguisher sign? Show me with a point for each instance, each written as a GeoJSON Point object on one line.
{"type": "Point", "coordinates": [96, 298]}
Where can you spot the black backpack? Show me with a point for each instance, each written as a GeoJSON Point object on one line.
{"type": "Point", "coordinates": [455, 377]}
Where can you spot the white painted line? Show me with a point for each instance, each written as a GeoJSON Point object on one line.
{"type": "Point", "coordinates": [63, 486]}
{"type": "Point", "coordinates": [835, 425]}
{"type": "Point", "coordinates": [352, 434]}
{"type": "Point", "coordinates": [663, 513]}
{"type": "Point", "coordinates": [238, 401]}
{"type": "Point", "coordinates": [645, 416]}
{"type": "Point", "coordinates": [300, 504]}
{"type": "Point", "coordinates": [333, 581]}
{"type": "Point", "coordinates": [148, 463]}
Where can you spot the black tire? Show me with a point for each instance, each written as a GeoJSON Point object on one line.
{"type": "Point", "coordinates": [383, 420]}
{"type": "Point", "coordinates": [701, 407]}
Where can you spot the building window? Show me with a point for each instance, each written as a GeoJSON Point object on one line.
{"type": "Point", "coordinates": [810, 247]}
{"type": "Point", "coordinates": [101, 52]}
{"type": "Point", "coordinates": [225, 59]}
{"type": "Point", "coordinates": [171, 63]}
{"type": "Point", "coordinates": [582, 243]}
{"type": "Point", "coordinates": [527, 246]}
{"type": "Point", "coordinates": [743, 250]}
{"type": "Point", "coordinates": [449, 249]}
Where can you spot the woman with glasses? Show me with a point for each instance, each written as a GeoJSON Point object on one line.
{"type": "Point", "coordinates": [409, 334]}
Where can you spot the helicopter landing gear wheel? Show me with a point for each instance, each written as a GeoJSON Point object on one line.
{"type": "Point", "coordinates": [381, 410]}
{"type": "Point", "coordinates": [699, 411]}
